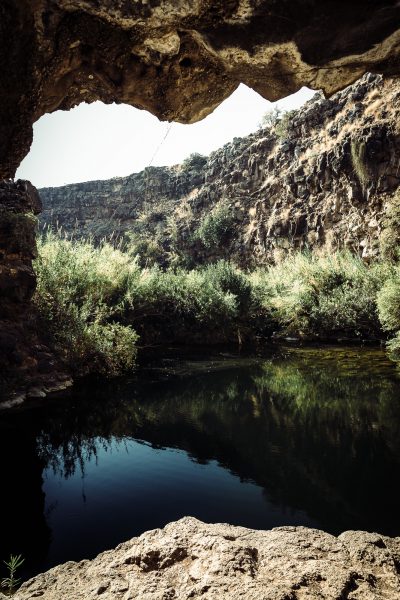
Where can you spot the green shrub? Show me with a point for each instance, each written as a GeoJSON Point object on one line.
{"type": "Point", "coordinates": [282, 127]}
{"type": "Point", "coordinates": [325, 296]}
{"type": "Point", "coordinates": [180, 306]}
{"type": "Point", "coordinates": [95, 301]}
{"type": "Point", "coordinates": [278, 121]}
{"type": "Point", "coordinates": [389, 311]}
{"type": "Point", "coordinates": [215, 226]}
{"type": "Point", "coordinates": [390, 237]}
{"type": "Point", "coordinates": [358, 150]}
{"type": "Point", "coordinates": [389, 304]}
{"type": "Point", "coordinates": [80, 294]}
{"type": "Point", "coordinates": [194, 161]}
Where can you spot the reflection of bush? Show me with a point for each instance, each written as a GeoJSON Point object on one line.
{"type": "Point", "coordinates": [313, 428]}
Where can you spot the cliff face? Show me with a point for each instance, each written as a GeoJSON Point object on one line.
{"type": "Point", "coordinates": [325, 177]}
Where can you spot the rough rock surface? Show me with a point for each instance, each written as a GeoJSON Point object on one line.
{"type": "Point", "coordinates": [328, 179]}
{"type": "Point", "coordinates": [191, 559]}
{"type": "Point", "coordinates": [23, 355]}
{"type": "Point", "coordinates": [179, 59]}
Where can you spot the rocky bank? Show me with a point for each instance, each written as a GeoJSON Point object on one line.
{"type": "Point", "coordinates": [191, 559]}
{"type": "Point", "coordinates": [325, 177]}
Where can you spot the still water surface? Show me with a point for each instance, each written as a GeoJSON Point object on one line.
{"type": "Point", "coordinates": [308, 437]}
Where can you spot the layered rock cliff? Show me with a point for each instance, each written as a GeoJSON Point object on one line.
{"type": "Point", "coordinates": [325, 177]}
{"type": "Point", "coordinates": [191, 559]}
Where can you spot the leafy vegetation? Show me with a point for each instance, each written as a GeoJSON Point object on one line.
{"type": "Point", "coordinates": [194, 161]}
{"type": "Point", "coordinates": [215, 226]}
{"type": "Point", "coordinates": [278, 121]}
{"type": "Point", "coordinates": [358, 151]}
{"type": "Point", "coordinates": [324, 297]}
{"type": "Point", "coordinates": [10, 583]}
{"type": "Point", "coordinates": [80, 296]}
{"type": "Point", "coordinates": [389, 310]}
{"type": "Point", "coordinates": [100, 304]}
{"type": "Point", "coordinates": [390, 236]}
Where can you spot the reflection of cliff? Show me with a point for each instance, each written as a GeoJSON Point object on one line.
{"type": "Point", "coordinates": [321, 440]}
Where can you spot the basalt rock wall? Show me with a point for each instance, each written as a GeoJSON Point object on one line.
{"type": "Point", "coordinates": [325, 178]}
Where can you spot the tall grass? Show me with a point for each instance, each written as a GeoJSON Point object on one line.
{"type": "Point", "coordinates": [389, 310]}
{"type": "Point", "coordinates": [81, 296]}
{"type": "Point", "coordinates": [325, 296]}
{"type": "Point", "coordinates": [100, 306]}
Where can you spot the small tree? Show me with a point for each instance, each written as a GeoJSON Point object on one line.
{"type": "Point", "coordinates": [271, 118]}
{"type": "Point", "coordinates": [11, 582]}
{"type": "Point", "coordinates": [194, 161]}
{"type": "Point", "coordinates": [278, 121]}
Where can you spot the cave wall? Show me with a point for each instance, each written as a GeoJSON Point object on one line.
{"type": "Point", "coordinates": [28, 367]}
{"type": "Point", "coordinates": [179, 59]}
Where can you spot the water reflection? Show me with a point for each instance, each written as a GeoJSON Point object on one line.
{"type": "Point", "coordinates": [311, 437]}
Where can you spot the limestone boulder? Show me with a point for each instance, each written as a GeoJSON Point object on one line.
{"type": "Point", "coordinates": [190, 559]}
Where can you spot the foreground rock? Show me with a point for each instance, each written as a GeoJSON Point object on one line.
{"type": "Point", "coordinates": [191, 559]}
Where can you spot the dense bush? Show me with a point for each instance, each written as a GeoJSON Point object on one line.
{"type": "Point", "coordinates": [213, 304]}
{"type": "Point", "coordinates": [97, 303]}
{"type": "Point", "coordinates": [389, 240]}
{"type": "Point", "coordinates": [278, 121]}
{"type": "Point", "coordinates": [325, 297]}
{"type": "Point", "coordinates": [215, 226]}
{"type": "Point", "coordinates": [80, 296]}
{"type": "Point", "coordinates": [194, 161]}
{"type": "Point", "coordinates": [389, 310]}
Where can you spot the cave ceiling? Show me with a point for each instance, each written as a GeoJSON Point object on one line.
{"type": "Point", "coordinates": [179, 59]}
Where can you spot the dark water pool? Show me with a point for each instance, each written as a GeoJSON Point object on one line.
{"type": "Point", "coordinates": [310, 437]}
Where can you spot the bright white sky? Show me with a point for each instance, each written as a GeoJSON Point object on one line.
{"type": "Point", "coordinates": [98, 141]}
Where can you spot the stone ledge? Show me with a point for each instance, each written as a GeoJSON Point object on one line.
{"type": "Point", "coordinates": [191, 559]}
